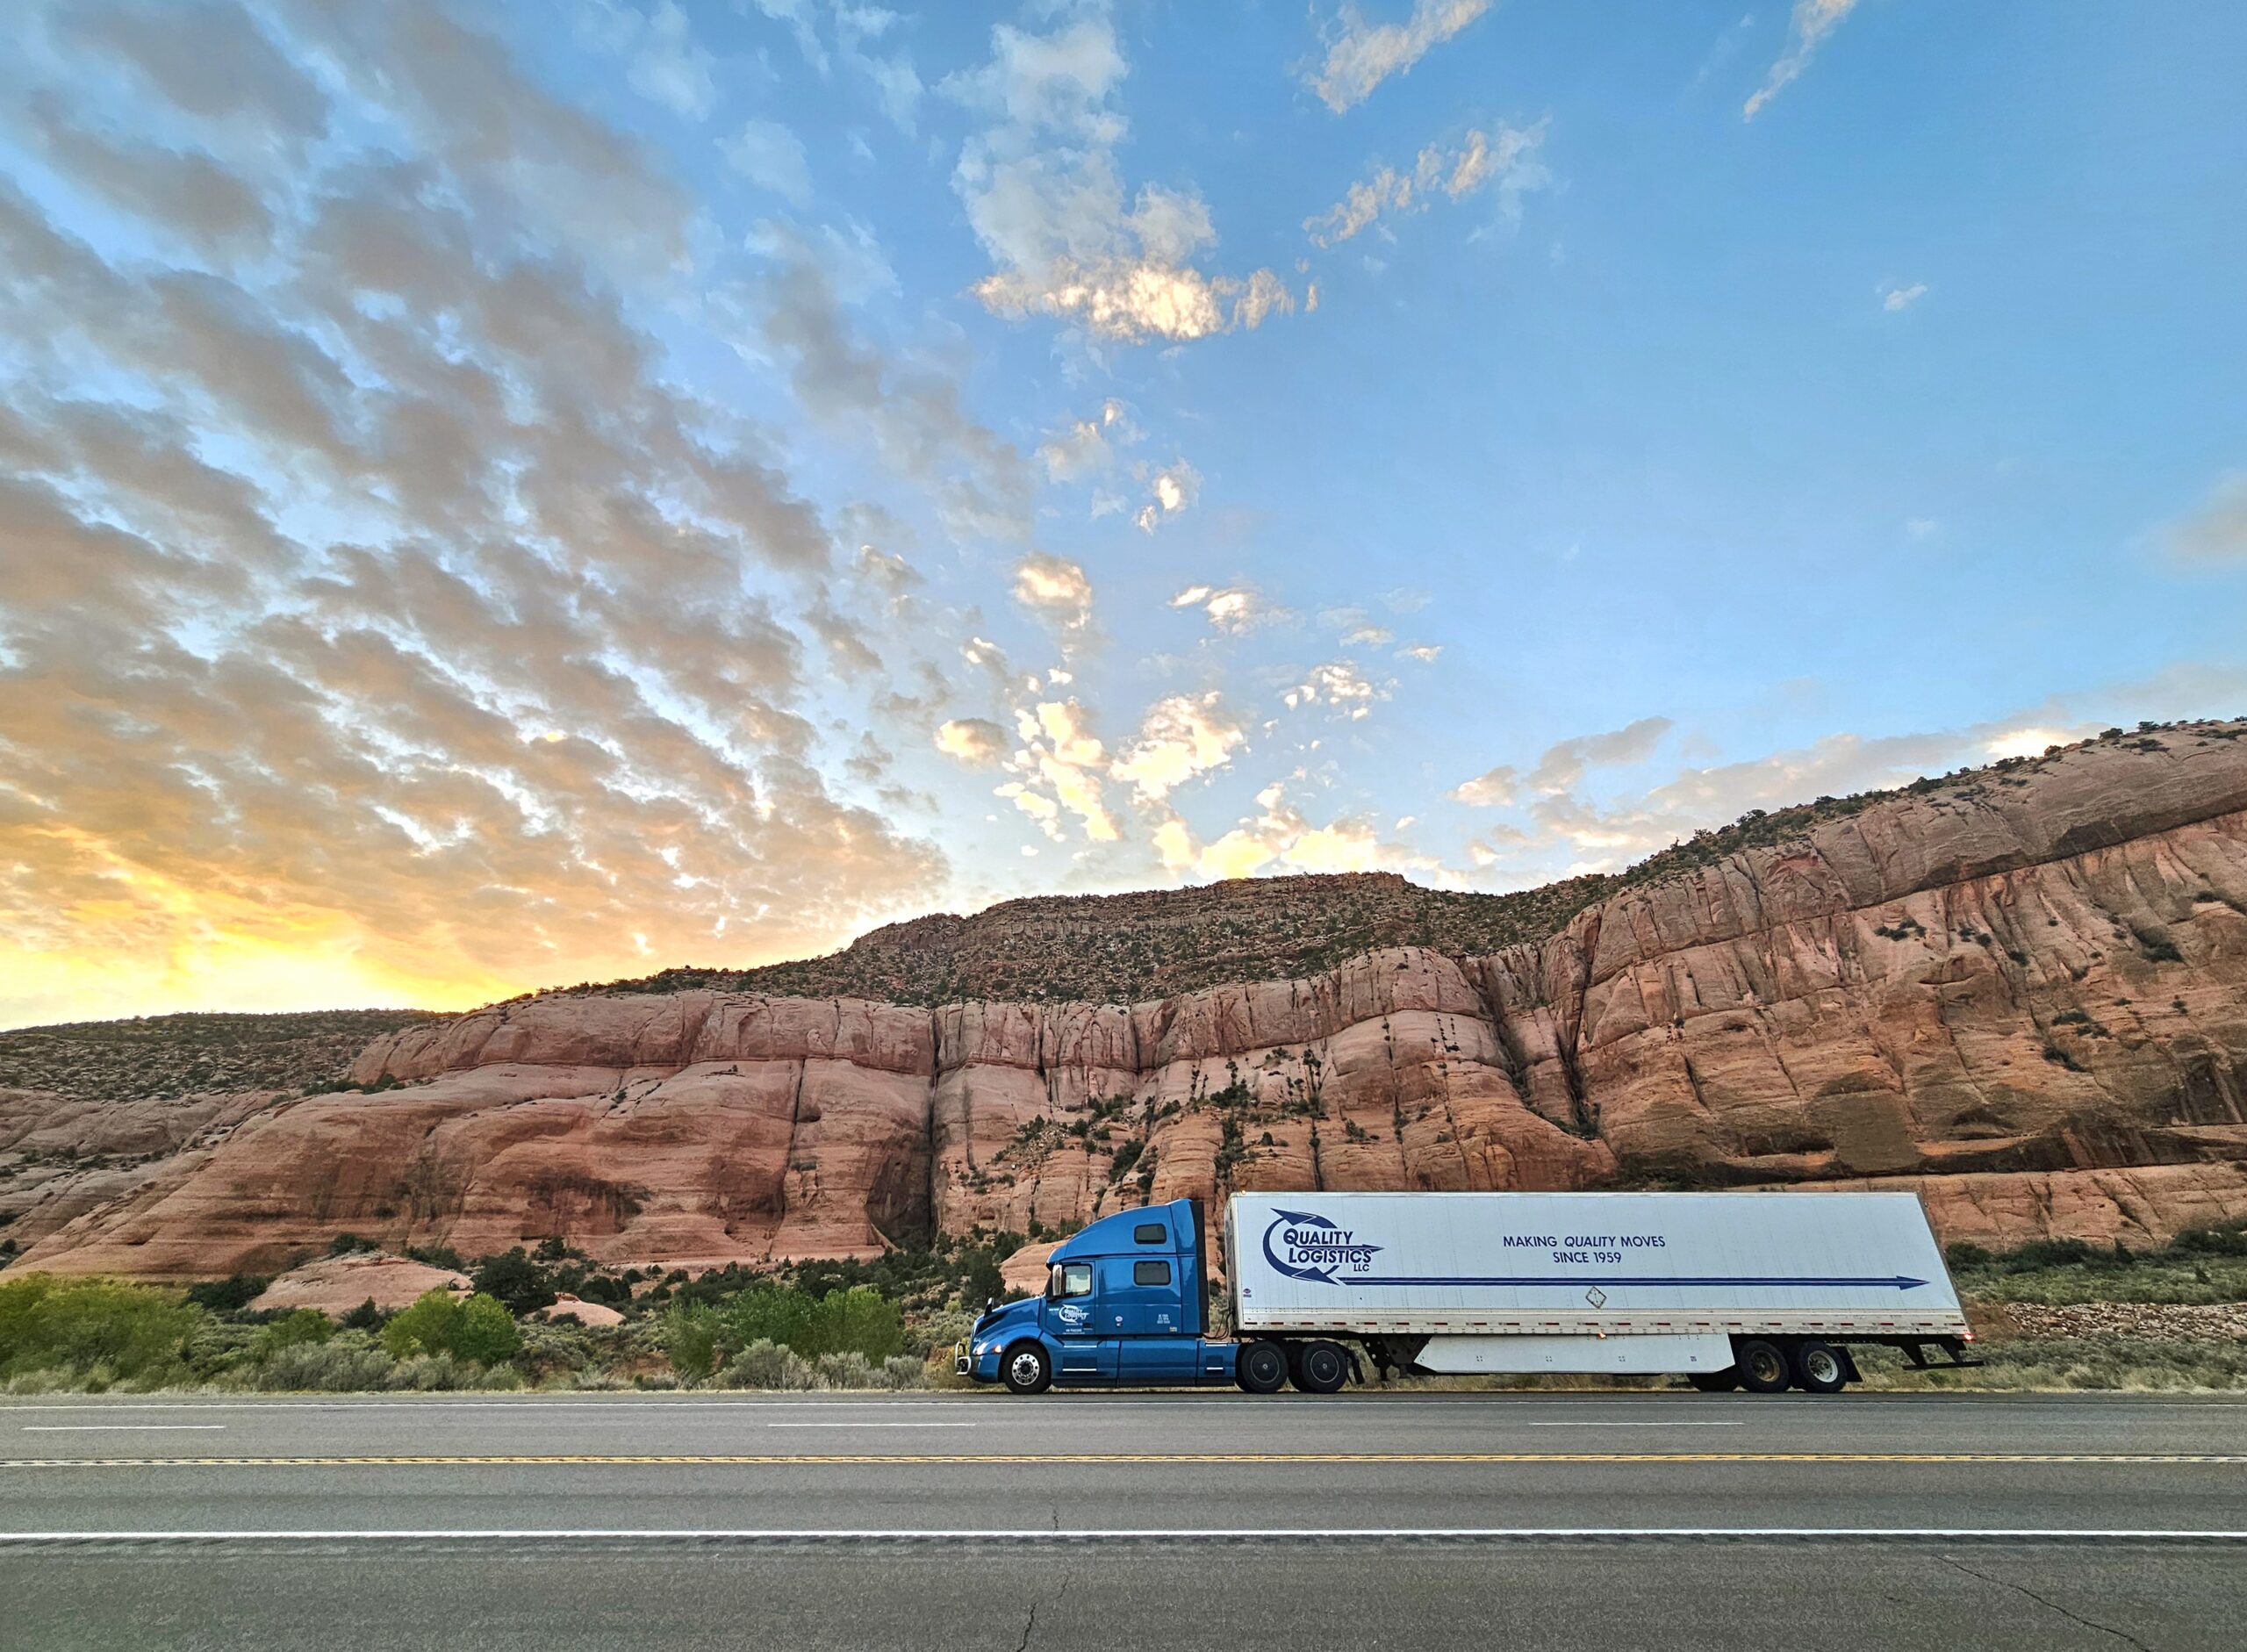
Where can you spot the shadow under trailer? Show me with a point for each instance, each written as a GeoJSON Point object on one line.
{"type": "Point", "coordinates": [1762, 1291]}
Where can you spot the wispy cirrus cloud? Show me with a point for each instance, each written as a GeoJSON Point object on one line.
{"type": "Point", "coordinates": [1361, 55]}
{"type": "Point", "coordinates": [1808, 26]}
{"type": "Point", "coordinates": [1509, 161]}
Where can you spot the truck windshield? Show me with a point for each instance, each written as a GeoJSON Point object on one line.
{"type": "Point", "coordinates": [1070, 1279]}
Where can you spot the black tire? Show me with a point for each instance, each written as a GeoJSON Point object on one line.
{"type": "Point", "coordinates": [1761, 1366]}
{"type": "Point", "coordinates": [1320, 1368]}
{"type": "Point", "coordinates": [1715, 1382]}
{"type": "Point", "coordinates": [1027, 1369]}
{"type": "Point", "coordinates": [1260, 1368]}
{"type": "Point", "coordinates": [1820, 1368]}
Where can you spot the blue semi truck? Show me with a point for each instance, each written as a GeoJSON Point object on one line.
{"type": "Point", "coordinates": [1763, 1290]}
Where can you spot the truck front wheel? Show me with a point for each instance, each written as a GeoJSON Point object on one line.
{"type": "Point", "coordinates": [1763, 1366]}
{"type": "Point", "coordinates": [1320, 1368]}
{"type": "Point", "coordinates": [1028, 1369]}
{"type": "Point", "coordinates": [1260, 1368]}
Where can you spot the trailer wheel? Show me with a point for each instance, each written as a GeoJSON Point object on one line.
{"type": "Point", "coordinates": [1320, 1368]}
{"type": "Point", "coordinates": [1260, 1368]}
{"type": "Point", "coordinates": [1761, 1366]}
{"type": "Point", "coordinates": [1819, 1368]}
{"type": "Point", "coordinates": [1029, 1370]}
{"type": "Point", "coordinates": [1715, 1382]}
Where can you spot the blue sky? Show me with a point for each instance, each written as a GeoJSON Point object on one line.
{"type": "Point", "coordinates": [504, 496]}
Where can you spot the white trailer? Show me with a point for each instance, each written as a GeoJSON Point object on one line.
{"type": "Point", "coordinates": [1756, 1290]}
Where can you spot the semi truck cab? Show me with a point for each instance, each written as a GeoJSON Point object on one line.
{"type": "Point", "coordinates": [1126, 1305]}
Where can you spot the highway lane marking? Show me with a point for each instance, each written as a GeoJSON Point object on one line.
{"type": "Point", "coordinates": [968, 1459]}
{"type": "Point", "coordinates": [122, 1428]}
{"type": "Point", "coordinates": [1163, 1534]}
{"type": "Point", "coordinates": [874, 1424]}
{"type": "Point", "coordinates": [1618, 1422]}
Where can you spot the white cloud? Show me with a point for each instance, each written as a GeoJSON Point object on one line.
{"type": "Point", "coordinates": [1511, 160]}
{"type": "Point", "coordinates": [1181, 737]}
{"type": "Point", "coordinates": [1360, 55]}
{"type": "Point", "coordinates": [1811, 21]}
{"type": "Point", "coordinates": [663, 63]}
{"type": "Point", "coordinates": [1493, 788]}
{"type": "Point", "coordinates": [2216, 531]}
{"type": "Point", "coordinates": [1046, 198]}
{"type": "Point", "coordinates": [770, 156]}
{"type": "Point", "coordinates": [1086, 447]}
{"type": "Point", "coordinates": [977, 742]}
{"type": "Point", "coordinates": [1563, 764]}
{"type": "Point", "coordinates": [1424, 653]}
{"type": "Point", "coordinates": [1895, 297]}
{"type": "Point", "coordinates": [1281, 838]}
{"type": "Point", "coordinates": [1338, 684]}
{"type": "Point", "coordinates": [1232, 609]}
{"type": "Point", "coordinates": [1055, 588]}
{"type": "Point", "coordinates": [1173, 489]}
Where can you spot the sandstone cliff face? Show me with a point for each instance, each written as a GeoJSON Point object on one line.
{"type": "Point", "coordinates": [2024, 994]}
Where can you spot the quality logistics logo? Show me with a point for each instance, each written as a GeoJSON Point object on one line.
{"type": "Point", "coordinates": [1314, 1248]}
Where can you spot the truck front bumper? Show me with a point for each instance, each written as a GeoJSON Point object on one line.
{"type": "Point", "coordinates": [982, 1367]}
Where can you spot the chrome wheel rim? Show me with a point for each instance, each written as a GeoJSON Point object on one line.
{"type": "Point", "coordinates": [1822, 1366]}
{"type": "Point", "coordinates": [1024, 1368]}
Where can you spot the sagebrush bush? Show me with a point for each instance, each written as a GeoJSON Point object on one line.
{"type": "Point", "coordinates": [346, 1363]}
{"type": "Point", "coordinates": [765, 1364]}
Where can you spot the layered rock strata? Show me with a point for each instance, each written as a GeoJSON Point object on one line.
{"type": "Point", "coordinates": [2023, 993]}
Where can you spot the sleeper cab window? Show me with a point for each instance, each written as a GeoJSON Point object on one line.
{"type": "Point", "coordinates": [1151, 1273]}
{"type": "Point", "coordinates": [1150, 1233]}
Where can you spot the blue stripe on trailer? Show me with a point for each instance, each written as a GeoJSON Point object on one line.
{"type": "Point", "coordinates": [1897, 1283]}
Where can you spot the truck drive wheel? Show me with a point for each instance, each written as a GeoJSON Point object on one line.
{"type": "Point", "coordinates": [1763, 1366]}
{"type": "Point", "coordinates": [1819, 1368]}
{"type": "Point", "coordinates": [1320, 1368]}
{"type": "Point", "coordinates": [1260, 1368]}
{"type": "Point", "coordinates": [1027, 1368]}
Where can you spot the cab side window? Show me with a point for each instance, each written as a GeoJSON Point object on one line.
{"type": "Point", "coordinates": [1076, 1279]}
{"type": "Point", "coordinates": [1151, 1273]}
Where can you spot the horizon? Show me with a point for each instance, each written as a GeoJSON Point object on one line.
{"type": "Point", "coordinates": [1623, 876]}
{"type": "Point", "coordinates": [497, 495]}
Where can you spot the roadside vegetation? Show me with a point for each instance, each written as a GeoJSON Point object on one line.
{"type": "Point", "coordinates": [886, 1324]}
{"type": "Point", "coordinates": [2055, 1314]}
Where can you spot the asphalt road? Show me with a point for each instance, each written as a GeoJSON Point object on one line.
{"type": "Point", "coordinates": [1563, 1521]}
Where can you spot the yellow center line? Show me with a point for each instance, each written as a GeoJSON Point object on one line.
{"type": "Point", "coordinates": [891, 1459]}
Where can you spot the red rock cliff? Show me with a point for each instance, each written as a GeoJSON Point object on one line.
{"type": "Point", "coordinates": [2024, 994]}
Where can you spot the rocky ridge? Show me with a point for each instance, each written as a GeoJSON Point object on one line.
{"type": "Point", "coordinates": [2023, 991]}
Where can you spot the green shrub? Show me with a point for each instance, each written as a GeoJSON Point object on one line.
{"type": "Point", "coordinates": [427, 1327]}
{"type": "Point", "coordinates": [519, 1283]}
{"type": "Point", "coordinates": [305, 1326]}
{"type": "Point", "coordinates": [230, 1295]}
{"type": "Point", "coordinates": [485, 1332]}
{"type": "Point", "coordinates": [440, 1325]}
{"type": "Point", "coordinates": [91, 1327]}
{"type": "Point", "coordinates": [691, 1333]}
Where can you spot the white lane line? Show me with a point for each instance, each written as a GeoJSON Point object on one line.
{"type": "Point", "coordinates": [1220, 1534]}
{"type": "Point", "coordinates": [1625, 1422]}
{"type": "Point", "coordinates": [120, 1428]}
{"type": "Point", "coordinates": [873, 1425]}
